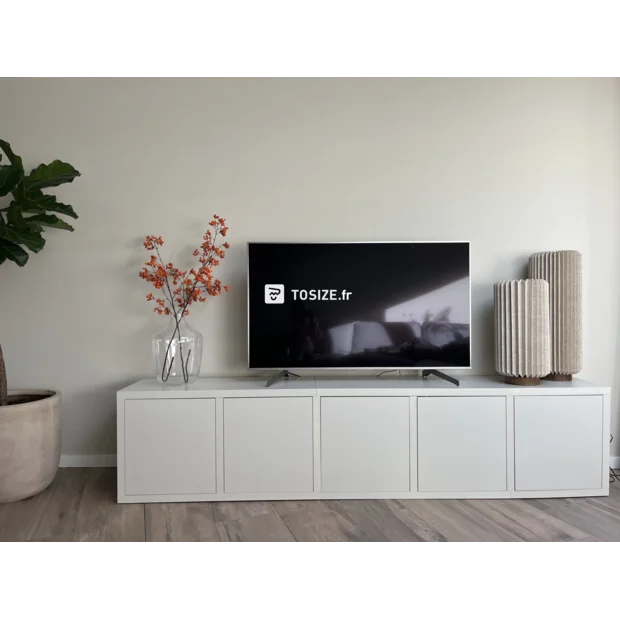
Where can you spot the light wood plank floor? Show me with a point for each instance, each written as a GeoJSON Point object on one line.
{"type": "Point", "coordinates": [81, 506]}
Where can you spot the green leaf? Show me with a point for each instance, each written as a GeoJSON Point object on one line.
{"type": "Point", "coordinates": [10, 176]}
{"type": "Point", "coordinates": [38, 200]}
{"type": "Point", "coordinates": [48, 203]}
{"type": "Point", "coordinates": [14, 214]}
{"type": "Point", "coordinates": [25, 204]}
{"type": "Point", "coordinates": [47, 221]}
{"type": "Point", "coordinates": [50, 175]}
{"type": "Point", "coordinates": [23, 236]}
{"type": "Point", "coordinates": [64, 210]}
{"type": "Point", "coordinates": [12, 251]}
{"type": "Point", "coordinates": [19, 234]}
{"type": "Point", "coordinates": [16, 160]}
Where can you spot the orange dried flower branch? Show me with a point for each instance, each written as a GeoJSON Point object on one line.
{"type": "Point", "coordinates": [181, 288]}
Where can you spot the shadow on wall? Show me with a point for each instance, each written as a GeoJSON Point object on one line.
{"type": "Point", "coordinates": [523, 271]}
{"type": "Point", "coordinates": [135, 346]}
{"type": "Point", "coordinates": [89, 418]}
{"type": "Point", "coordinates": [236, 323]}
{"type": "Point", "coordinates": [484, 336]}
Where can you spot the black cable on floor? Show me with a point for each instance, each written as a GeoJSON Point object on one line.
{"type": "Point", "coordinates": [614, 474]}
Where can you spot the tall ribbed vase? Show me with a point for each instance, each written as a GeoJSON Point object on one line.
{"type": "Point", "coordinates": [522, 336]}
{"type": "Point", "coordinates": [563, 272]}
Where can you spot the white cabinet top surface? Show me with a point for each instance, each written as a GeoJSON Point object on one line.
{"type": "Point", "coordinates": [309, 386]}
{"type": "Point", "coordinates": [226, 384]}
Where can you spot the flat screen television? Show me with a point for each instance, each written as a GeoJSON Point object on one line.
{"type": "Point", "coordinates": [359, 305]}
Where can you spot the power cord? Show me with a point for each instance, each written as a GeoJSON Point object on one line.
{"type": "Point", "coordinates": [614, 476]}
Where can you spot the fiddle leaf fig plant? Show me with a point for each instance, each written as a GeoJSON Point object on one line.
{"type": "Point", "coordinates": [30, 210]}
{"type": "Point", "coordinates": [28, 213]}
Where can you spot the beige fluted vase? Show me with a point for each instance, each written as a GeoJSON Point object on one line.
{"type": "Point", "coordinates": [563, 272]}
{"type": "Point", "coordinates": [522, 335]}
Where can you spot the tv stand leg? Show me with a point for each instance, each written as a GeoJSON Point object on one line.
{"type": "Point", "coordinates": [283, 374]}
{"type": "Point", "coordinates": [441, 375]}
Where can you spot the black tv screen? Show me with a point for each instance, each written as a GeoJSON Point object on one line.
{"type": "Point", "coordinates": [358, 305]}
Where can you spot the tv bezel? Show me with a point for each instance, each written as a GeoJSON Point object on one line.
{"type": "Point", "coordinates": [349, 368]}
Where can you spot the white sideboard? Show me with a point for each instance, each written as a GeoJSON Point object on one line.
{"type": "Point", "coordinates": [223, 439]}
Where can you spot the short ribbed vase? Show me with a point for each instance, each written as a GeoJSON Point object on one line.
{"type": "Point", "coordinates": [522, 335]}
{"type": "Point", "coordinates": [563, 272]}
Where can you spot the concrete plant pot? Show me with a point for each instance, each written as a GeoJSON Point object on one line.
{"type": "Point", "coordinates": [29, 443]}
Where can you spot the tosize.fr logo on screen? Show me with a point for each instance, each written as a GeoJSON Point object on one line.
{"type": "Point", "coordinates": [274, 293]}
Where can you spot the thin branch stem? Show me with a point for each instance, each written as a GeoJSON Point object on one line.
{"type": "Point", "coordinates": [171, 299]}
{"type": "Point", "coordinates": [177, 327]}
{"type": "Point", "coordinates": [186, 374]}
{"type": "Point", "coordinates": [163, 370]}
{"type": "Point", "coordinates": [3, 381]}
{"type": "Point", "coordinates": [188, 297]}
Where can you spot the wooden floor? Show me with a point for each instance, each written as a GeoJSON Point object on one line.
{"type": "Point", "coordinates": [81, 505]}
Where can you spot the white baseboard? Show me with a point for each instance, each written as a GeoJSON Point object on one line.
{"type": "Point", "coordinates": [88, 460]}
{"type": "Point", "coordinates": [109, 460]}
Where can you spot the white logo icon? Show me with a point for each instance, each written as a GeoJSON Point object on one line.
{"type": "Point", "coordinates": [274, 293]}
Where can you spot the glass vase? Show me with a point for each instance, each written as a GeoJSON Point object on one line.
{"type": "Point", "coordinates": [178, 353]}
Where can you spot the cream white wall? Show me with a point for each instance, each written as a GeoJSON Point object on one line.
{"type": "Point", "coordinates": [515, 166]}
